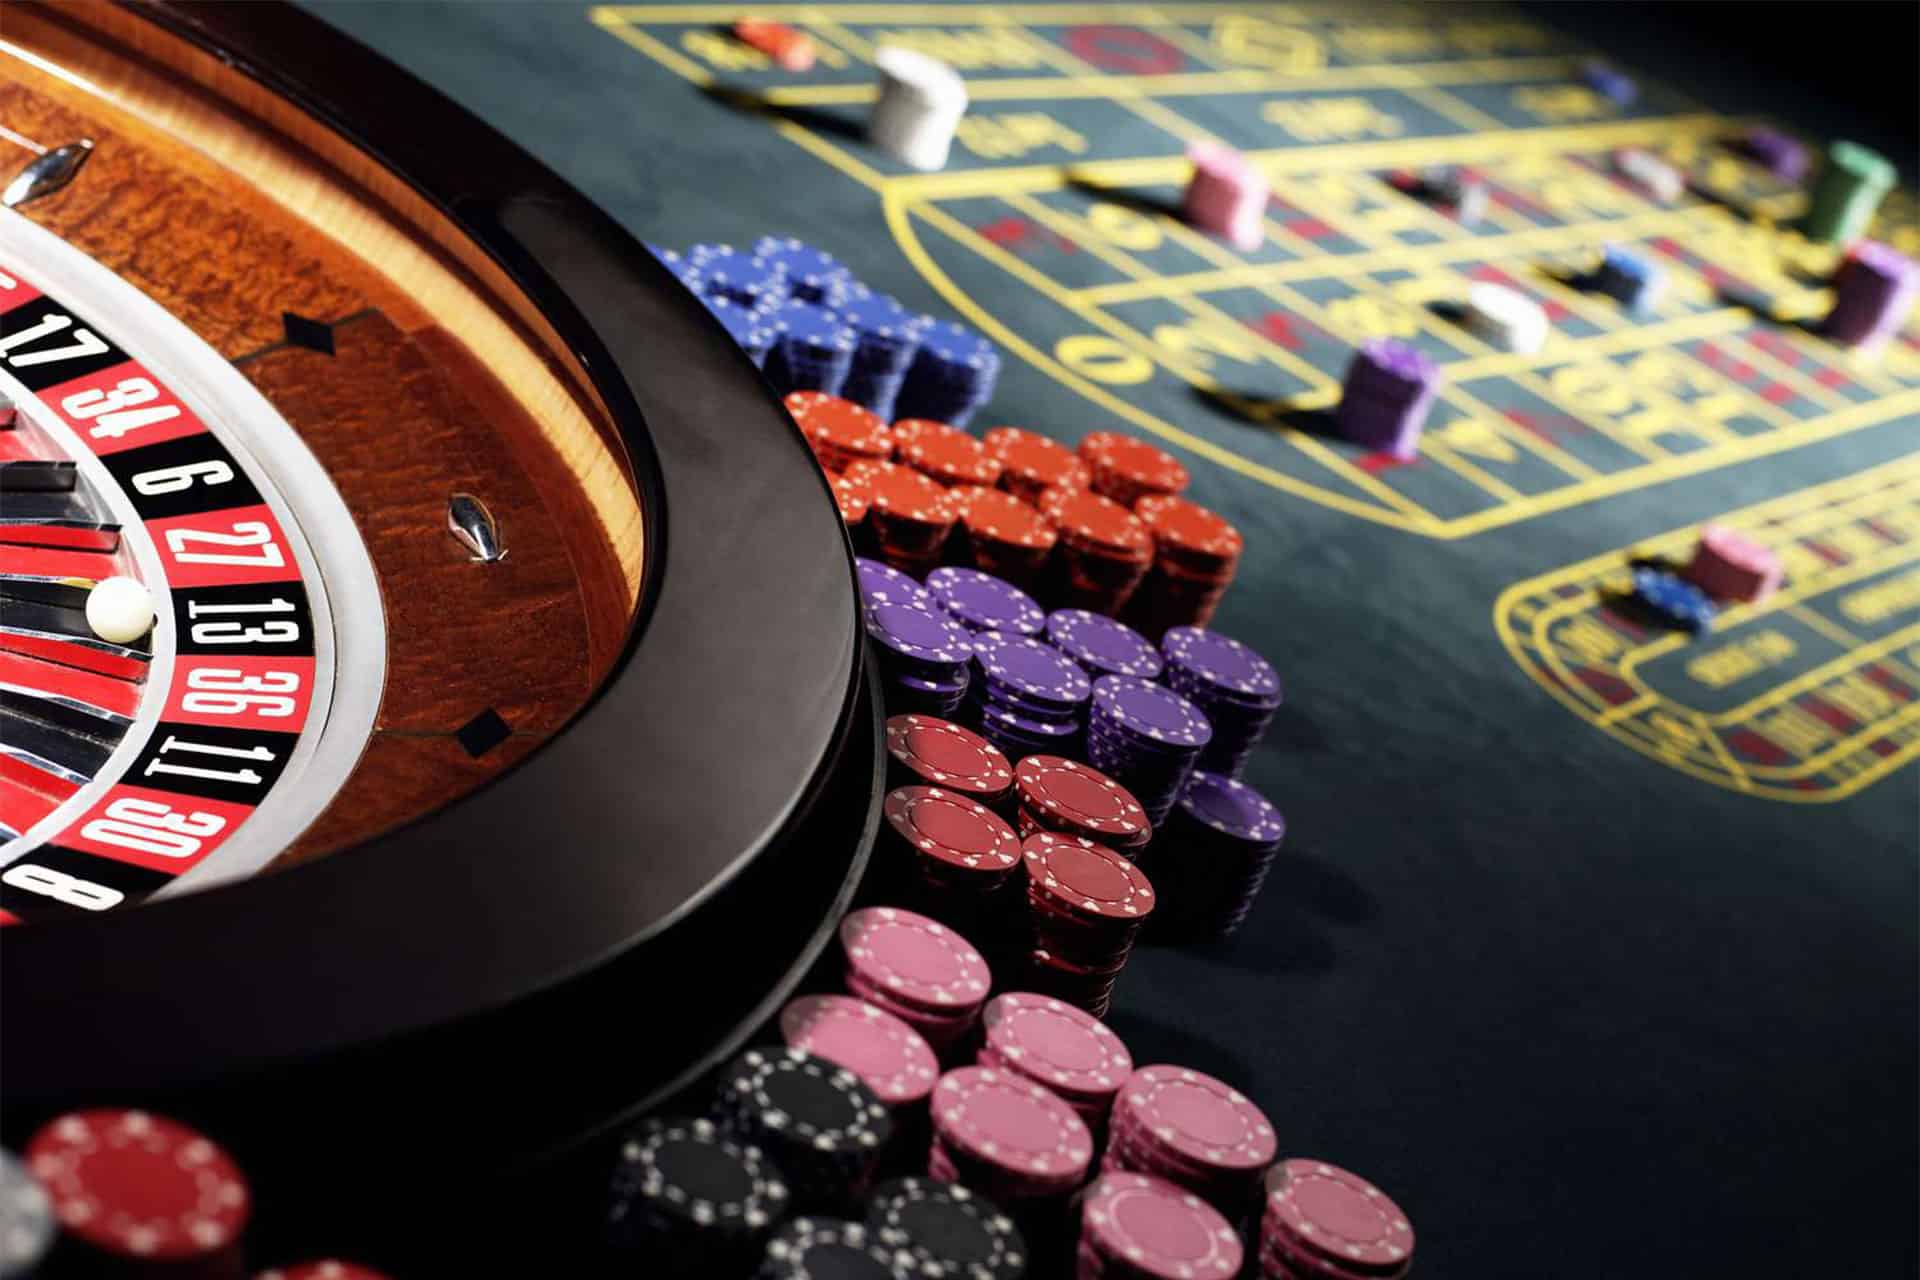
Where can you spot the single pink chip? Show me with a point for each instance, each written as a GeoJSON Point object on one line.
{"type": "Point", "coordinates": [1338, 1215]}
{"type": "Point", "coordinates": [915, 959]}
{"type": "Point", "coordinates": [1199, 1117]}
{"type": "Point", "coordinates": [1158, 1229]}
{"type": "Point", "coordinates": [1011, 1123]}
{"type": "Point", "coordinates": [1056, 1044]}
{"type": "Point", "coordinates": [887, 1054]}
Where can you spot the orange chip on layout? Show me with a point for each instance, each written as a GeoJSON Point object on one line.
{"type": "Point", "coordinates": [790, 50]}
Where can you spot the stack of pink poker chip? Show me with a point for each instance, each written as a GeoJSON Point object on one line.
{"type": "Point", "coordinates": [1060, 1047]}
{"type": "Point", "coordinates": [1191, 1129]}
{"type": "Point", "coordinates": [1730, 566]}
{"type": "Point", "coordinates": [1323, 1223]}
{"type": "Point", "coordinates": [890, 1057]}
{"type": "Point", "coordinates": [1006, 1137]}
{"type": "Point", "coordinates": [916, 969]}
{"type": "Point", "coordinates": [1137, 1227]}
{"type": "Point", "coordinates": [1227, 195]}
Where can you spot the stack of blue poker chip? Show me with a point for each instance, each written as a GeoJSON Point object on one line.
{"type": "Point", "coordinates": [748, 328]}
{"type": "Point", "coordinates": [1026, 697]}
{"type": "Point", "coordinates": [1615, 86]}
{"type": "Point", "coordinates": [812, 349]}
{"type": "Point", "coordinates": [1630, 279]}
{"type": "Point", "coordinates": [1676, 601]}
{"type": "Point", "coordinates": [720, 270]}
{"type": "Point", "coordinates": [1147, 738]}
{"type": "Point", "coordinates": [1102, 646]}
{"type": "Point", "coordinates": [813, 275]}
{"type": "Point", "coordinates": [979, 601]}
{"type": "Point", "coordinates": [951, 378]}
{"type": "Point", "coordinates": [884, 584]}
{"type": "Point", "coordinates": [1210, 862]}
{"type": "Point", "coordinates": [923, 657]}
{"type": "Point", "coordinates": [886, 338]}
{"type": "Point", "coordinates": [1235, 687]}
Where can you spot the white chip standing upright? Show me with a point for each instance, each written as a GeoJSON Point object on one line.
{"type": "Point", "coordinates": [920, 102]}
{"type": "Point", "coordinates": [1506, 318]}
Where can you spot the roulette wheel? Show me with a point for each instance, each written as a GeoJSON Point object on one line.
{"type": "Point", "coordinates": [500, 750]}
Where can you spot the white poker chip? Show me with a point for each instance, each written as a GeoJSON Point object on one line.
{"type": "Point", "coordinates": [1506, 318]}
{"type": "Point", "coordinates": [918, 108]}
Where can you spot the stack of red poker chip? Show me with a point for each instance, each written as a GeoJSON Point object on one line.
{"type": "Point", "coordinates": [1134, 1226]}
{"type": "Point", "coordinates": [1730, 566]}
{"type": "Point", "coordinates": [133, 1190]}
{"type": "Point", "coordinates": [1005, 536]}
{"type": "Point", "coordinates": [917, 969]}
{"type": "Point", "coordinates": [854, 495]}
{"type": "Point", "coordinates": [1062, 795]}
{"type": "Point", "coordinates": [943, 453]}
{"type": "Point", "coordinates": [1032, 463]}
{"type": "Point", "coordinates": [1006, 1137]}
{"type": "Point", "coordinates": [1323, 1223]}
{"type": "Point", "coordinates": [1105, 550]}
{"type": "Point", "coordinates": [929, 751]}
{"type": "Point", "coordinates": [1085, 904]}
{"type": "Point", "coordinates": [890, 1057]}
{"type": "Point", "coordinates": [1196, 554]}
{"type": "Point", "coordinates": [949, 857]}
{"type": "Point", "coordinates": [1127, 470]}
{"type": "Point", "coordinates": [911, 515]}
{"type": "Point", "coordinates": [839, 432]}
{"type": "Point", "coordinates": [1051, 1043]}
{"type": "Point", "coordinates": [1187, 1127]}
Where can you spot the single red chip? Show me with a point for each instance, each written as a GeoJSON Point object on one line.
{"type": "Point", "coordinates": [952, 828]}
{"type": "Point", "coordinates": [948, 755]}
{"type": "Point", "coordinates": [840, 432]}
{"type": "Point", "coordinates": [887, 1054]}
{"type": "Point", "coordinates": [854, 496]}
{"type": "Point", "coordinates": [903, 494]}
{"type": "Point", "coordinates": [325, 1269]}
{"type": "Point", "coordinates": [1338, 1215]}
{"type": "Point", "coordinates": [945, 453]}
{"type": "Point", "coordinates": [1126, 469]}
{"type": "Point", "coordinates": [1190, 532]}
{"type": "Point", "coordinates": [137, 1185]}
{"type": "Point", "coordinates": [1098, 525]}
{"type": "Point", "coordinates": [1033, 463]}
{"type": "Point", "coordinates": [789, 49]}
{"type": "Point", "coordinates": [998, 516]}
{"type": "Point", "coordinates": [1086, 878]}
{"type": "Point", "coordinates": [1158, 1230]}
{"type": "Point", "coordinates": [1082, 798]}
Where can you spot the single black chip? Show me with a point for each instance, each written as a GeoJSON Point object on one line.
{"type": "Point", "coordinates": [947, 1229]}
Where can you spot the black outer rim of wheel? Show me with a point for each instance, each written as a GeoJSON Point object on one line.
{"type": "Point", "coordinates": [699, 812]}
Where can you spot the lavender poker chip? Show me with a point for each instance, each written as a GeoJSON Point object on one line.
{"type": "Point", "coordinates": [985, 603]}
{"type": "Point", "coordinates": [1232, 808]}
{"type": "Point", "coordinates": [1223, 662]}
{"type": "Point", "coordinates": [1102, 646]}
{"type": "Point", "coordinates": [919, 633]}
{"type": "Point", "coordinates": [1151, 711]}
{"type": "Point", "coordinates": [1030, 667]}
{"type": "Point", "coordinates": [884, 584]}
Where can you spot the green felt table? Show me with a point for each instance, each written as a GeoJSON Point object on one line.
{"type": "Point", "coordinates": [1594, 944]}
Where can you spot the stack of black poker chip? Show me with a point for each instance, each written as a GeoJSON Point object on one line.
{"type": "Point", "coordinates": [946, 1230]}
{"type": "Point", "coordinates": [691, 1200]}
{"type": "Point", "coordinates": [824, 1128]}
{"type": "Point", "coordinates": [830, 1249]}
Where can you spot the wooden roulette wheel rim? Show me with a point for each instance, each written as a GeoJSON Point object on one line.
{"type": "Point", "coordinates": [695, 802]}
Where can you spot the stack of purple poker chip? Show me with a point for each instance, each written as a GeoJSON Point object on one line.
{"type": "Point", "coordinates": [1146, 737]}
{"type": "Point", "coordinates": [886, 338]}
{"type": "Point", "coordinates": [923, 658]}
{"type": "Point", "coordinates": [981, 602]}
{"type": "Point", "coordinates": [1873, 291]}
{"type": "Point", "coordinates": [1390, 387]}
{"type": "Point", "coordinates": [1212, 858]}
{"type": "Point", "coordinates": [883, 584]}
{"type": "Point", "coordinates": [812, 348]}
{"type": "Point", "coordinates": [951, 377]}
{"type": "Point", "coordinates": [1026, 696]}
{"type": "Point", "coordinates": [1237, 689]}
{"type": "Point", "coordinates": [1102, 646]}
{"type": "Point", "coordinates": [1782, 155]}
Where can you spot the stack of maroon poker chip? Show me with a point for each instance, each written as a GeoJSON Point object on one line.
{"type": "Point", "coordinates": [949, 857]}
{"type": "Point", "coordinates": [1005, 536]}
{"type": "Point", "coordinates": [1058, 794]}
{"type": "Point", "coordinates": [890, 1057]}
{"type": "Point", "coordinates": [1127, 470]}
{"type": "Point", "coordinates": [1031, 463]}
{"type": "Point", "coordinates": [917, 969]}
{"type": "Point", "coordinates": [1196, 554]}
{"type": "Point", "coordinates": [135, 1190]}
{"type": "Point", "coordinates": [1134, 1226]}
{"type": "Point", "coordinates": [1085, 904]}
{"type": "Point", "coordinates": [910, 515]}
{"type": "Point", "coordinates": [1006, 1137]}
{"type": "Point", "coordinates": [929, 751]}
{"type": "Point", "coordinates": [839, 432]}
{"type": "Point", "coordinates": [946, 454]}
{"type": "Point", "coordinates": [1323, 1223]}
{"type": "Point", "coordinates": [1105, 551]}
{"type": "Point", "coordinates": [1054, 1044]}
{"type": "Point", "coordinates": [1187, 1127]}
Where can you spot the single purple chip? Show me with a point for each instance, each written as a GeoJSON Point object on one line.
{"type": "Point", "coordinates": [1222, 661]}
{"type": "Point", "coordinates": [984, 602]}
{"type": "Point", "coordinates": [1233, 808]}
{"type": "Point", "coordinates": [1155, 711]}
{"type": "Point", "coordinates": [1031, 667]}
{"type": "Point", "coordinates": [883, 584]}
{"type": "Point", "coordinates": [1102, 646]}
{"type": "Point", "coordinates": [1049, 730]}
{"type": "Point", "coordinates": [918, 632]}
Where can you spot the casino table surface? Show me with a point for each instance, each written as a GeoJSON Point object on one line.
{"type": "Point", "coordinates": [1595, 948]}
